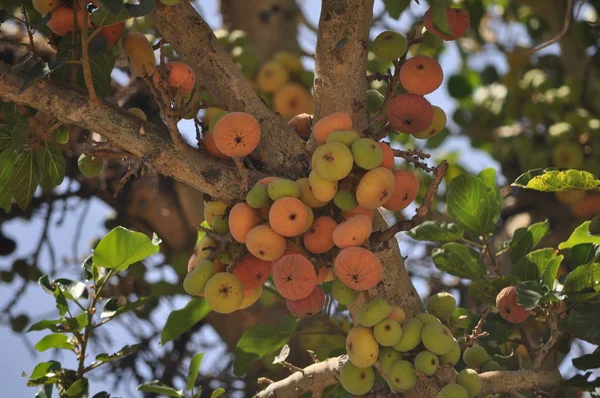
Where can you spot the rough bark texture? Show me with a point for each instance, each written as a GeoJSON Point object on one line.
{"type": "Point", "coordinates": [280, 148]}
{"type": "Point", "coordinates": [271, 25]}
{"type": "Point", "coordinates": [203, 172]}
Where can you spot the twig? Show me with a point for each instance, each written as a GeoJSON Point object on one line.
{"type": "Point", "coordinates": [85, 55]}
{"type": "Point", "coordinates": [313, 356]}
{"type": "Point", "coordinates": [422, 211]}
{"type": "Point", "coordinates": [491, 255]}
{"type": "Point", "coordinates": [264, 380]}
{"type": "Point", "coordinates": [554, 336]}
{"type": "Point", "coordinates": [414, 156]}
{"type": "Point", "coordinates": [29, 31]}
{"type": "Point", "coordinates": [478, 330]}
{"type": "Point", "coordinates": [565, 29]}
{"type": "Point", "coordinates": [292, 368]}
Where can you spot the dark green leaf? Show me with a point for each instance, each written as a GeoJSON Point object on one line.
{"type": "Point", "coordinates": [113, 6]}
{"type": "Point", "coordinates": [525, 239]}
{"type": "Point", "coordinates": [139, 10]}
{"type": "Point", "coordinates": [7, 165]}
{"type": "Point", "coordinates": [87, 266]}
{"type": "Point", "coordinates": [583, 253]}
{"type": "Point", "coordinates": [488, 177]}
{"type": "Point", "coordinates": [217, 393]}
{"type": "Point", "coordinates": [180, 321]}
{"type": "Point", "coordinates": [582, 382]}
{"type": "Point", "coordinates": [5, 136]}
{"type": "Point", "coordinates": [459, 260]}
{"type": "Point", "coordinates": [44, 282]}
{"type": "Point", "coordinates": [112, 309]}
{"type": "Point", "coordinates": [45, 391]}
{"type": "Point", "coordinates": [19, 133]}
{"type": "Point", "coordinates": [585, 322]}
{"type": "Point", "coordinates": [102, 394]}
{"type": "Point", "coordinates": [98, 45]}
{"type": "Point", "coordinates": [541, 265]}
{"type": "Point", "coordinates": [440, 19]}
{"type": "Point", "coordinates": [25, 178]}
{"type": "Point", "coordinates": [529, 294]}
{"type": "Point", "coordinates": [396, 7]}
{"type": "Point", "coordinates": [580, 235]}
{"type": "Point", "coordinates": [51, 324]}
{"type": "Point", "coordinates": [60, 135]}
{"type": "Point", "coordinates": [43, 368]}
{"type": "Point", "coordinates": [554, 180]}
{"type": "Point", "coordinates": [484, 291]}
{"type": "Point", "coordinates": [595, 226]}
{"type": "Point", "coordinates": [121, 247]}
{"type": "Point", "coordinates": [193, 370]}
{"type": "Point", "coordinates": [101, 66]}
{"type": "Point", "coordinates": [438, 139]}
{"type": "Point", "coordinates": [583, 279]}
{"type": "Point", "coordinates": [159, 388]}
{"type": "Point", "coordinates": [56, 340]}
{"type": "Point", "coordinates": [588, 361]}
{"type": "Point", "coordinates": [437, 231]}
{"type": "Point", "coordinates": [470, 204]}
{"type": "Point", "coordinates": [103, 17]}
{"type": "Point", "coordinates": [61, 301]}
{"type": "Point", "coordinates": [119, 354]}
{"type": "Point", "coordinates": [53, 164]}
{"type": "Point", "coordinates": [257, 341]}
{"type": "Point", "coordinates": [73, 290]}
{"type": "Point", "coordinates": [79, 389]}
{"type": "Point", "coordinates": [9, 109]}
{"type": "Point", "coordinates": [36, 73]}
{"type": "Point", "coordinates": [78, 322]}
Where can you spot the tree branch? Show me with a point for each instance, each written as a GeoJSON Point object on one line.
{"type": "Point", "coordinates": [216, 178]}
{"type": "Point", "coordinates": [280, 148]}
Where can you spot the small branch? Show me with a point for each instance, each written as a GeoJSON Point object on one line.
{"type": "Point", "coordinates": [555, 39]}
{"type": "Point", "coordinates": [414, 156]}
{"type": "Point", "coordinates": [491, 254]}
{"type": "Point", "coordinates": [478, 332]}
{"type": "Point", "coordinates": [29, 30]}
{"type": "Point", "coordinates": [422, 211]}
{"type": "Point", "coordinates": [292, 368]}
{"type": "Point", "coordinates": [554, 336]}
{"type": "Point", "coordinates": [85, 55]}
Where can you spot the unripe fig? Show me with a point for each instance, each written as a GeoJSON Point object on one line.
{"type": "Point", "coordinates": [411, 335]}
{"type": "Point", "coordinates": [220, 225]}
{"type": "Point", "coordinates": [491, 366]}
{"type": "Point", "coordinates": [346, 137]}
{"type": "Point", "coordinates": [251, 296]}
{"type": "Point", "coordinates": [453, 391]}
{"type": "Point", "coordinates": [426, 318]}
{"type": "Point", "coordinates": [224, 293]}
{"type": "Point", "coordinates": [345, 200]}
{"type": "Point", "coordinates": [283, 187]}
{"type": "Point", "coordinates": [361, 347]}
{"type": "Point", "coordinates": [437, 124]}
{"type": "Point", "coordinates": [508, 308]}
{"type": "Point", "coordinates": [451, 357]}
{"type": "Point", "coordinates": [475, 356]}
{"type": "Point", "coordinates": [387, 332]}
{"type": "Point", "coordinates": [469, 379]}
{"type": "Point", "coordinates": [367, 153]}
{"type": "Point", "coordinates": [387, 356]}
{"type": "Point", "coordinates": [441, 305]}
{"type": "Point", "coordinates": [397, 314]}
{"type": "Point", "coordinates": [214, 208]}
{"type": "Point", "coordinates": [307, 196]}
{"type": "Point", "coordinates": [431, 40]}
{"type": "Point", "coordinates": [89, 166]}
{"type": "Point", "coordinates": [375, 188]}
{"type": "Point", "coordinates": [342, 293]}
{"type": "Point", "coordinates": [437, 338]}
{"type": "Point", "coordinates": [333, 161]}
{"type": "Point", "coordinates": [196, 279]}
{"type": "Point", "coordinates": [324, 190]}
{"type": "Point", "coordinates": [390, 45]}
{"type": "Point", "coordinates": [138, 112]}
{"type": "Point", "coordinates": [271, 77]}
{"type": "Point", "coordinates": [355, 380]}
{"type": "Point", "coordinates": [258, 196]}
{"type": "Point", "coordinates": [374, 100]}
{"type": "Point", "coordinates": [462, 318]}
{"type": "Point", "coordinates": [402, 376]}
{"type": "Point", "coordinates": [46, 6]}
{"type": "Point", "coordinates": [568, 155]}
{"type": "Point", "coordinates": [373, 312]}
{"type": "Point", "coordinates": [140, 53]}
{"type": "Point", "coordinates": [290, 61]}
{"type": "Point", "coordinates": [427, 363]}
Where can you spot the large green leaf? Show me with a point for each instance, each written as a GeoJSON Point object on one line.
{"type": "Point", "coordinates": [19, 133]}
{"type": "Point", "coordinates": [396, 7]}
{"type": "Point", "coordinates": [7, 165]}
{"type": "Point", "coordinates": [159, 388]}
{"type": "Point", "coordinates": [79, 389]}
{"type": "Point", "coordinates": [51, 324]}
{"type": "Point", "coordinates": [470, 203]}
{"type": "Point", "coordinates": [483, 290]}
{"type": "Point", "coordinates": [52, 164]}
{"type": "Point", "coordinates": [459, 260]}
{"type": "Point", "coordinates": [529, 294]}
{"type": "Point", "coordinates": [554, 180]}
{"type": "Point", "coordinates": [539, 265]}
{"type": "Point", "coordinates": [525, 239]}
{"type": "Point", "coordinates": [585, 322]}
{"type": "Point", "coordinates": [488, 177]}
{"type": "Point", "coordinates": [182, 320]}
{"type": "Point", "coordinates": [595, 226]}
{"type": "Point", "coordinates": [101, 66]}
{"type": "Point", "coordinates": [257, 341]}
{"type": "Point", "coordinates": [580, 235]}
{"type": "Point", "coordinates": [55, 340]}
{"type": "Point", "coordinates": [585, 278]}
{"type": "Point", "coordinates": [25, 178]}
{"type": "Point", "coordinates": [437, 231]}
{"type": "Point", "coordinates": [583, 253]}
{"type": "Point", "coordinates": [121, 247]}
{"type": "Point", "coordinates": [42, 369]}
{"type": "Point", "coordinates": [193, 370]}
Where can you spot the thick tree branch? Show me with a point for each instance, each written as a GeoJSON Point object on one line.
{"type": "Point", "coordinates": [324, 374]}
{"type": "Point", "coordinates": [216, 178]}
{"type": "Point", "coordinates": [280, 148]}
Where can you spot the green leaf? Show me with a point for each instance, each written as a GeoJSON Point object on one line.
{"type": "Point", "coordinates": [193, 370]}
{"type": "Point", "coordinates": [61, 301]}
{"type": "Point", "coordinates": [53, 164]}
{"type": "Point", "coordinates": [554, 180]}
{"type": "Point", "coordinates": [102, 394]}
{"type": "Point", "coordinates": [51, 324]}
{"type": "Point", "coordinates": [139, 10]}
{"type": "Point", "coordinates": [539, 265]}
{"type": "Point", "coordinates": [119, 354]}
{"type": "Point", "coordinates": [73, 290]}
{"type": "Point", "coordinates": [121, 247]}
{"type": "Point", "coordinates": [43, 368]}
{"type": "Point", "coordinates": [440, 20]}
{"type": "Point", "coordinates": [5, 136]}
{"type": "Point", "coordinates": [19, 133]}
{"type": "Point", "coordinates": [9, 109]}
{"type": "Point", "coordinates": [217, 393]}
{"type": "Point", "coordinates": [488, 177]}
{"type": "Point", "coordinates": [182, 320]}
{"type": "Point", "coordinates": [583, 253]}
{"type": "Point", "coordinates": [437, 231]}
{"type": "Point", "coordinates": [525, 239]}
{"type": "Point", "coordinates": [159, 388]}
{"type": "Point", "coordinates": [104, 17]}
{"type": "Point", "coordinates": [112, 309]}
{"type": "Point", "coordinates": [594, 228]}
{"type": "Point", "coordinates": [7, 165]}
{"type": "Point", "coordinates": [25, 178]}
{"type": "Point", "coordinates": [396, 7]}
{"type": "Point", "coordinates": [45, 391]}
{"type": "Point", "coordinates": [585, 322]}
{"type": "Point", "coordinates": [529, 294]}
{"type": "Point", "coordinates": [113, 6]}
{"type": "Point", "coordinates": [78, 322]}
{"type": "Point", "coordinates": [484, 291]}
{"type": "Point", "coordinates": [45, 284]}
{"type": "Point", "coordinates": [257, 341]}
{"type": "Point", "coordinates": [459, 260]}
{"type": "Point", "coordinates": [580, 235]}
{"type": "Point", "coordinates": [470, 204]}
{"type": "Point", "coordinates": [36, 73]}
{"type": "Point", "coordinates": [583, 279]}
{"type": "Point", "coordinates": [79, 389]}
{"type": "Point", "coordinates": [56, 340]}
{"type": "Point", "coordinates": [101, 66]}
{"type": "Point", "coordinates": [588, 361]}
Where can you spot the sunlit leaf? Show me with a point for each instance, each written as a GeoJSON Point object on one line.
{"type": "Point", "coordinates": [554, 180]}
{"type": "Point", "coordinates": [580, 235]}
{"type": "Point", "coordinates": [159, 388]}
{"type": "Point", "coordinates": [182, 320]}
{"type": "Point", "coordinates": [459, 260]}
{"type": "Point", "coordinates": [470, 203]}
{"type": "Point", "coordinates": [56, 340]}
{"type": "Point", "coordinates": [437, 231]}
{"type": "Point", "coordinates": [25, 178]}
{"type": "Point", "coordinates": [121, 247]}
{"type": "Point", "coordinates": [193, 370]}
{"type": "Point", "coordinates": [7, 165]}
